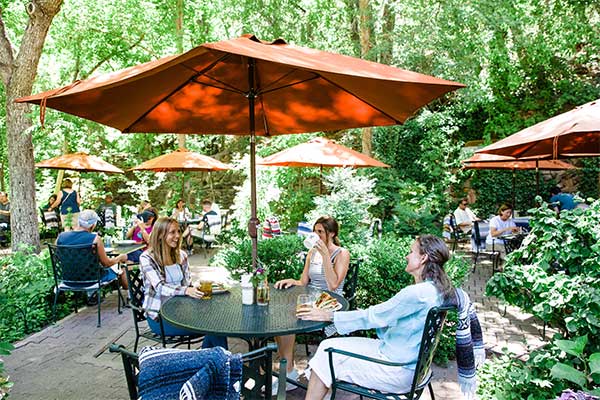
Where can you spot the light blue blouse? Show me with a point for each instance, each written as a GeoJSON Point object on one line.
{"type": "Point", "coordinates": [399, 321]}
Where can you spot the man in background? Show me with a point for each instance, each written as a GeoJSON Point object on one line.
{"type": "Point", "coordinates": [107, 212]}
{"type": "Point", "coordinates": [561, 201]}
{"type": "Point", "coordinates": [464, 217]}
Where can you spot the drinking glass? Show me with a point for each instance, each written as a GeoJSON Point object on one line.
{"type": "Point", "coordinates": [206, 288]}
{"type": "Point", "coordinates": [304, 302]}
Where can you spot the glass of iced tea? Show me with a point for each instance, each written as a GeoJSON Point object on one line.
{"type": "Point", "coordinates": [206, 288]}
{"type": "Point", "coordinates": [304, 302]}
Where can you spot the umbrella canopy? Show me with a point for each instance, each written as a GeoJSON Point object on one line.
{"type": "Point", "coordinates": [80, 162]}
{"type": "Point", "coordinates": [245, 86]}
{"type": "Point", "coordinates": [182, 160]}
{"type": "Point", "coordinates": [575, 133]}
{"type": "Point", "coordinates": [492, 161]}
{"type": "Point", "coordinates": [320, 152]}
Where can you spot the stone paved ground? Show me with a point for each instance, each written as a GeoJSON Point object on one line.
{"type": "Point", "coordinates": [70, 360]}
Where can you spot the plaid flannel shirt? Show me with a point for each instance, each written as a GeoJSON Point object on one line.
{"type": "Point", "coordinates": [156, 287]}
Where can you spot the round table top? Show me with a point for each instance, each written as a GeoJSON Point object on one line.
{"type": "Point", "coordinates": [225, 315]}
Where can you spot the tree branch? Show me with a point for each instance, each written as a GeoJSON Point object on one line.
{"type": "Point", "coordinates": [110, 56]}
{"type": "Point", "coordinates": [6, 53]}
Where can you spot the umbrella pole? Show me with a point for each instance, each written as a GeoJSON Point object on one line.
{"type": "Point", "coordinates": [252, 224]}
{"type": "Point", "coordinates": [320, 180]}
{"type": "Point", "coordinates": [537, 177]}
{"type": "Point", "coordinates": [513, 191]}
{"type": "Point", "coordinates": [182, 183]}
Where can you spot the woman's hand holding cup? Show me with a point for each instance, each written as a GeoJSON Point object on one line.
{"type": "Point", "coordinates": [194, 292]}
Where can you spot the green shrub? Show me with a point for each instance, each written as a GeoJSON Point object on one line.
{"type": "Point", "coordinates": [280, 255]}
{"type": "Point", "coordinates": [26, 294]}
{"type": "Point", "coordinates": [5, 384]}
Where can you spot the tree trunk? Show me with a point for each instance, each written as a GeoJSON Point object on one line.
{"type": "Point", "coordinates": [365, 46]}
{"type": "Point", "coordinates": [18, 75]}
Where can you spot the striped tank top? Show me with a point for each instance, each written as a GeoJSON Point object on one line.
{"type": "Point", "coordinates": [316, 275]}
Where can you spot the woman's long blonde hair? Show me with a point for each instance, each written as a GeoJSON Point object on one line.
{"type": "Point", "coordinates": [163, 254]}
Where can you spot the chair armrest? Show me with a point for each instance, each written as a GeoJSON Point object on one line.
{"type": "Point", "coordinates": [331, 350]}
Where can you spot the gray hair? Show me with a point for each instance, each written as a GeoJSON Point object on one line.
{"type": "Point", "coordinates": [88, 218]}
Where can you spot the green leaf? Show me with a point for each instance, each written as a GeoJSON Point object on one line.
{"type": "Point", "coordinates": [573, 347]}
{"type": "Point", "coordinates": [595, 363]}
{"type": "Point", "coordinates": [566, 372]}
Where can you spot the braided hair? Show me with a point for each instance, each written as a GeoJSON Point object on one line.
{"type": "Point", "coordinates": [437, 254]}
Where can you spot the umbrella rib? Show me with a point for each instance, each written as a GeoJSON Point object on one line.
{"type": "Point", "coordinates": [191, 79]}
{"type": "Point", "coordinates": [267, 90]}
{"type": "Point", "coordinates": [366, 102]}
{"type": "Point", "coordinates": [225, 86]}
{"type": "Point", "coordinates": [288, 85]}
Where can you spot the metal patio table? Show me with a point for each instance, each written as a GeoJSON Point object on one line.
{"type": "Point", "coordinates": [225, 315]}
{"type": "Point", "coordinates": [119, 249]}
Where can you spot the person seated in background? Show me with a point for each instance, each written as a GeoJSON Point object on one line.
{"type": "Point", "coordinates": [500, 225]}
{"type": "Point", "coordinates": [143, 206]}
{"type": "Point", "coordinates": [400, 322]}
{"type": "Point", "coordinates": [464, 217]}
{"type": "Point", "coordinates": [107, 212]}
{"type": "Point", "coordinates": [208, 227]}
{"type": "Point", "coordinates": [84, 234]}
{"type": "Point", "coordinates": [50, 216]}
{"type": "Point", "coordinates": [166, 273]}
{"type": "Point", "coordinates": [4, 216]}
{"type": "Point", "coordinates": [561, 201]}
{"type": "Point", "coordinates": [325, 268]}
{"type": "Point", "coordinates": [48, 205]}
{"type": "Point", "coordinates": [181, 213]}
{"type": "Point", "coordinates": [140, 232]}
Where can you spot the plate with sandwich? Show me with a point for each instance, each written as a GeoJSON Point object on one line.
{"type": "Point", "coordinates": [325, 301]}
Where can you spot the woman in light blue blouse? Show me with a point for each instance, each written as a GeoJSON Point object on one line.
{"type": "Point", "coordinates": [399, 322]}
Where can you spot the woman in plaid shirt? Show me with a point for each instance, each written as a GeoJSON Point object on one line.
{"type": "Point", "coordinates": [166, 273]}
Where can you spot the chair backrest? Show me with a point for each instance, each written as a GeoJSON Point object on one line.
{"type": "Point", "coordinates": [376, 228]}
{"type": "Point", "coordinates": [480, 232]}
{"type": "Point", "coordinates": [135, 286]}
{"type": "Point", "coordinates": [454, 231]}
{"type": "Point", "coordinates": [76, 264]}
{"type": "Point", "coordinates": [431, 336]}
{"type": "Point", "coordinates": [351, 282]}
{"type": "Point", "coordinates": [131, 366]}
{"type": "Point", "coordinates": [49, 219]}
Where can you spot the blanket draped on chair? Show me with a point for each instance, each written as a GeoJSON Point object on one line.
{"type": "Point", "coordinates": [470, 353]}
{"type": "Point", "coordinates": [189, 374]}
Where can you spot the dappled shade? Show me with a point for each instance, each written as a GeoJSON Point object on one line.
{"type": "Point", "coordinates": [182, 160]}
{"type": "Point", "coordinates": [320, 152]}
{"type": "Point", "coordinates": [575, 133]}
{"type": "Point", "coordinates": [82, 162]}
{"type": "Point", "coordinates": [204, 91]}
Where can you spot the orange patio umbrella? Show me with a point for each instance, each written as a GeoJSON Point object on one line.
{"type": "Point", "coordinates": [82, 162]}
{"type": "Point", "coordinates": [575, 133]}
{"type": "Point", "coordinates": [182, 160]}
{"type": "Point", "coordinates": [320, 152]}
{"type": "Point", "coordinates": [493, 161]}
{"type": "Point", "coordinates": [245, 86]}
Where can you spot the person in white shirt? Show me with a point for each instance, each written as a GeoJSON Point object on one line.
{"type": "Point", "coordinates": [501, 225]}
{"type": "Point", "coordinates": [464, 217]}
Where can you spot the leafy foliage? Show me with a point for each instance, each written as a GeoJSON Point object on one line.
{"type": "Point", "coordinates": [5, 384]}
{"type": "Point", "coordinates": [26, 295]}
{"type": "Point", "coordinates": [348, 201]}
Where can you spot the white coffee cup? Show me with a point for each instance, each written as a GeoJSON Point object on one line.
{"type": "Point", "coordinates": [311, 240]}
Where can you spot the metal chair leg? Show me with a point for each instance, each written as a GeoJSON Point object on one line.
{"type": "Point", "coordinates": [431, 391]}
{"type": "Point", "coordinates": [99, 302]}
{"type": "Point", "coordinates": [56, 292]}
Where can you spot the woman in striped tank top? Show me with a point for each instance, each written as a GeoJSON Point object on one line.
{"type": "Point", "coordinates": [325, 268]}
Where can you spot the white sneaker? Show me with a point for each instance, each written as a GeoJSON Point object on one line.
{"type": "Point", "coordinates": [288, 386]}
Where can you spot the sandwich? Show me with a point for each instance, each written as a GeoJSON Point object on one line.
{"type": "Point", "coordinates": [326, 302]}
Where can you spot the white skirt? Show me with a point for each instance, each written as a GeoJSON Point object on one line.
{"type": "Point", "coordinates": [353, 370]}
